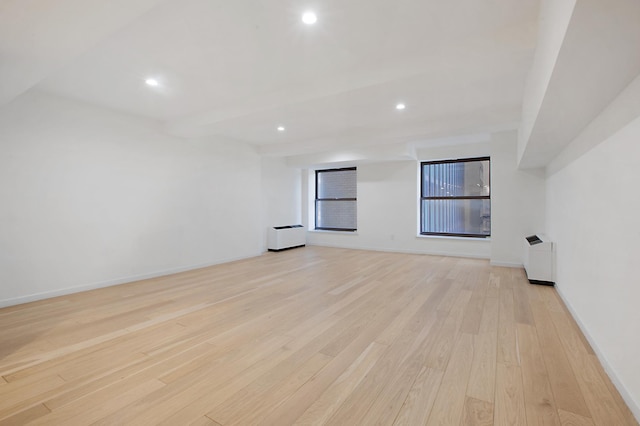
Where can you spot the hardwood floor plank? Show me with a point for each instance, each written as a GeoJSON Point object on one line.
{"type": "Point", "coordinates": [89, 410]}
{"type": "Point", "coordinates": [571, 341]}
{"type": "Point", "coordinates": [449, 404]}
{"type": "Point", "coordinates": [490, 313]}
{"type": "Point", "coordinates": [127, 345]}
{"type": "Point", "coordinates": [483, 368]}
{"type": "Point", "coordinates": [539, 402]}
{"type": "Point", "coordinates": [571, 419]}
{"type": "Point", "coordinates": [414, 312]}
{"type": "Point", "coordinates": [522, 308]}
{"type": "Point", "coordinates": [477, 412]}
{"type": "Point", "coordinates": [386, 406]}
{"type": "Point", "coordinates": [507, 340]}
{"type": "Point", "coordinates": [189, 403]}
{"type": "Point", "coordinates": [440, 352]}
{"type": "Point", "coordinates": [473, 313]}
{"type": "Point", "coordinates": [328, 402]}
{"type": "Point", "coordinates": [550, 298]}
{"type": "Point", "coordinates": [602, 405]}
{"type": "Point", "coordinates": [347, 335]}
{"type": "Point", "coordinates": [419, 402]}
{"type": "Point", "coordinates": [217, 356]}
{"type": "Point", "coordinates": [509, 397]}
{"type": "Point", "coordinates": [204, 421]}
{"type": "Point", "coordinates": [234, 368]}
{"type": "Point", "coordinates": [578, 352]}
{"type": "Point", "coordinates": [310, 336]}
{"type": "Point", "coordinates": [365, 274]}
{"type": "Point", "coordinates": [26, 416]}
{"type": "Point", "coordinates": [571, 323]}
{"type": "Point", "coordinates": [406, 352]}
{"type": "Point", "coordinates": [147, 369]}
{"type": "Point", "coordinates": [624, 411]}
{"type": "Point", "coordinates": [298, 351]}
{"type": "Point", "coordinates": [35, 361]}
{"type": "Point", "coordinates": [264, 405]}
{"type": "Point", "coordinates": [20, 396]}
{"type": "Point", "coordinates": [295, 406]}
{"type": "Point", "coordinates": [565, 388]}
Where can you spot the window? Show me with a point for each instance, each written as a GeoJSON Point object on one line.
{"type": "Point", "coordinates": [456, 198]}
{"type": "Point", "coordinates": [336, 199]}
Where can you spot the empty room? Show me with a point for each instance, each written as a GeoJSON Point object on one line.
{"type": "Point", "coordinates": [284, 212]}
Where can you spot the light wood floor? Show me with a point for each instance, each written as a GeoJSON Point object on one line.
{"type": "Point", "coordinates": [308, 336]}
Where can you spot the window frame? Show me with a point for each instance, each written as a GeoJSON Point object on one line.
{"type": "Point", "coordinates": [316, 227]}
{"type": "Point", "coordinates": [467, 197]}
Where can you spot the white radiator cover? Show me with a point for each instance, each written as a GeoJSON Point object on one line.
{"type": "Point", "coordinates": [286, 237]}
{"type": "Point", "coordinates": [539, 259]}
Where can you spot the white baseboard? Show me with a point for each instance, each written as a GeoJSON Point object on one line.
{"type": "Point", "coordinates": [624, 393]}
{"type": "Point", "coordinates": [108, 283]}
{"type": "Point", "coordinates": [406, 251]}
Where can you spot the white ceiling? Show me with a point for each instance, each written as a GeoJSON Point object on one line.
{"type": "Point", "coordinates": [238, 69]}
{"type": "Point", "coordinates": [37, 37]}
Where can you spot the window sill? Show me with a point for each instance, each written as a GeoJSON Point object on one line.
{"type": "Point", "coordinates": [323, 231]}
{"type": "Point", "coordinates": [447, 237]}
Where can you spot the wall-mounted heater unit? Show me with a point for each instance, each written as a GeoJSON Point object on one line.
{"type": "Point", "coordinates": [286, 237]}
{"type": "Point", "coordinates": [539, 260]}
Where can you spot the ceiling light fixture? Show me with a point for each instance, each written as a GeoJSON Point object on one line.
{"type": "Point", "coordinates": [281, 128]}
{"type": "Point", "coordinates": [400, 107]}
{"type": "Point", "coordinates": [309, 18]}
{"type": "Point", "coordinates": [152, 82]}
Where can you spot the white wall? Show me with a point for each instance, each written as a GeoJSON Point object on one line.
{"type": "Point", "coordinates": [592, 215]}
{"type": "Point", "coordinates": [281, 195]}
{"type": "Point", "coordinates": [90, 197]}
{"type": "Point", "coordinates": [388, 208]}
{"type": "Point", "coordinates": [517, 202]}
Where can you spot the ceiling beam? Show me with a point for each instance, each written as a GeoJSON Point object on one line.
{"type": "Point", "coordinates": [598, 57]}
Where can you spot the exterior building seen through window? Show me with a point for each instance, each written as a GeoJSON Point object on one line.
{"type": "Point", "coordinates": [456, 198]}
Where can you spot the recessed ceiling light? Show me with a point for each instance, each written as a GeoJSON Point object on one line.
{"type": "Point", "coordinates": [152, 82]}
{"type": "Point", "coordinates": [400, 106]}
{"type": "Point", "coordinates": [309, 18]}
{"type": "Point", "coordinates": [281, 128]}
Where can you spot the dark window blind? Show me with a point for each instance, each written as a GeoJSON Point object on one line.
{"type": "Point", "coordinates": [336, 199]}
